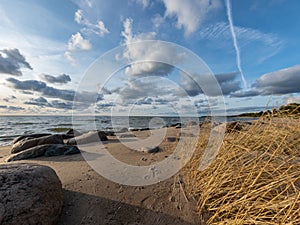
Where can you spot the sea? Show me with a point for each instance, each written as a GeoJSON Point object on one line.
{"type": "Point", "coordinates": [14, 126]}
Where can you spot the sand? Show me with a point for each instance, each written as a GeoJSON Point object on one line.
{"type": "Point", "coordinates": [89, 198]}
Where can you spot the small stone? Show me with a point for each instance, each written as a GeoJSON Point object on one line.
{"type": "Point", "coordinates": [150, 149]}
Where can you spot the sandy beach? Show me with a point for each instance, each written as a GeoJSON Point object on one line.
{"type": "Point", "coordinates": [89, 198]}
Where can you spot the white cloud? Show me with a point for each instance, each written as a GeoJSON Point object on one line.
{"type": "Point", "coordinates": [78, 16]}
{"type": "Point", "coordinates": [99, 28]}
{"type": "Point", "coordinates": [293, 99]}
{"type": "Point", "coordinates": [144, 3]}
{"type": "Point", "coordinates": [190, 14]}
{"type": "Point", "coordinates": [157, 20]}
{"type": "Point", "coordinates": [89, 3]}
{"type": "Point", "coordinates": [221, 34]}
{"type": "Point", "coordinates": [77, 42]}
{"type": "Point", "coordinates": [102, 30]}
{"type": "Point", "coordinates": [148, 56]}
{"type": "Point", "coordinates": [69, 57]}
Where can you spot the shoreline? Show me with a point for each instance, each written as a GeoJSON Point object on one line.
{"type": "Point", "coordinates": [90, 198]}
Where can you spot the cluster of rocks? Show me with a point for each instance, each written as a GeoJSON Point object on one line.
{"type": "Point", "coordinates": [35, 145]}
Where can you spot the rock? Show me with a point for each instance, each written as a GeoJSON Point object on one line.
{"type": "Point", "coordinates": [29, 194]}
{"type": "Point", "coordinates": [123, 130]}
{"type": "Point", "coordinates": [171, 139]}
{"type": "Point", "coordinates": [133, 129]}
{"type": "Point", "coordinates": [73, 133]}
{"type": "Point", "coordinates": [90, 137]}
{"type": "Point", "coordinates": [44, 150]}
{"type": "Point", "coordinates": [28, 137]}
{"type": "Point", "coordinates": [126, 135]}
{"type": "Point", "coordinates": [150, 149]}
{"type": "Point", "coordinates": [176, 125]}
{"type": "Point", "coordinates": [25, 144]}
{"type": "Point", "coordinates": [143, 129]}
{"type": "Point", "coordinates": [56, 150]}
{"type": "Point", "coordinates": [109, 133]}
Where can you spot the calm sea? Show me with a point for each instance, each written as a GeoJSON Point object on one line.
{"type": "Point", "coordinates": [14, 126]}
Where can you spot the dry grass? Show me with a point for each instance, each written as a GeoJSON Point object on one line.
{"type": "Point", "coordinates": [255, 178]}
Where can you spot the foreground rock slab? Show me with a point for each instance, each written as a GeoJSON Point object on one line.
{"type": "Point", "coordinates": [29, 194]}
{"type": "Point", "coordinates": [44, 150]}
{"type": "Point", "coordinates": [26, 144]}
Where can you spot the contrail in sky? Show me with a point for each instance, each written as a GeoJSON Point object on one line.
{"type": "Point", "coordinates": [235, 43]}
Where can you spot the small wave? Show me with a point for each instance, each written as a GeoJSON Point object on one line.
{"type": "Point", "coordinates": [65, 125]}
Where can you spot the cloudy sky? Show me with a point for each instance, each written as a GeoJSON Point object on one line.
{"type": "Point", "coordinates": [47, 47]}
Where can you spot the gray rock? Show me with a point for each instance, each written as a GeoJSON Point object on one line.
{"type": "Point", "coordinates": [109, 133]}
{"type": "Point", "coordinates": [29, 194]}
{"type": "Point", "coordinates": [44, 150]}
{"type": "Point", "coordinates": [28, 137]}
{"type": "Point", "coordinates": [150, 149]}
{"type": "Point", "coordinates": [26, 144]}
{"type": "Point", "coordinates": [176, 125]}
{"type": "Point", "coordinates": [171, 139]}
{"type": "Point", "coordinates": [90, 137]}
{"type": "Point", "coordinates": [56, 150]}
{"type": "Point", "coordinates": [127, 135]}
{"type": "Point", "coordinates": [70, 134]}
{"type": "Point", "coordinates": [73, 133]}
{"type": "Point", "coordinates": [123, 130]}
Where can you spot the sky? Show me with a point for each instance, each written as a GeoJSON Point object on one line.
{"type": "Point", "coordinates": [248, 53]}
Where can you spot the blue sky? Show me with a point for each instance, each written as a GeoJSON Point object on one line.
{"type": "Point", "coordinates": [47, 46]}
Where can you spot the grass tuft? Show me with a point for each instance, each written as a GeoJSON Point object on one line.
{"type": "Point", "coordinates": [255, 178]}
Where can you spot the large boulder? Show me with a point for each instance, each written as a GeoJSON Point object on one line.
{"type": "Point", "coordinates": [28, 137]}
{"type": "Point", "coordinates": [29, 194]}
{"type": "Point", "coordinates": [90, 137]}
{"type": "Point", "coordinates": [44, 150]}
{"type": "Point", "coordinates": [26, 144]}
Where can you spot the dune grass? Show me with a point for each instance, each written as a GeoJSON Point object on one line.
{"type": "Point", "coordinates": [255, 178]}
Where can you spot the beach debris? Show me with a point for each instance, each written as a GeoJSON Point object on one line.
{"type": "Point", "coordinates": [90, 137]}
{"type": "Point", "coordinates": [44, 150]}
{"type": "Point", "coordinates": [30, 194]}
{"type": "Point", "coordinates": [26, 144]}
{"type": "Point", "coordinates": [29, 136]}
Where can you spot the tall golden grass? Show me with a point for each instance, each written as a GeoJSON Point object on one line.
{"type": "Point", "coordinates": [255, 178]}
